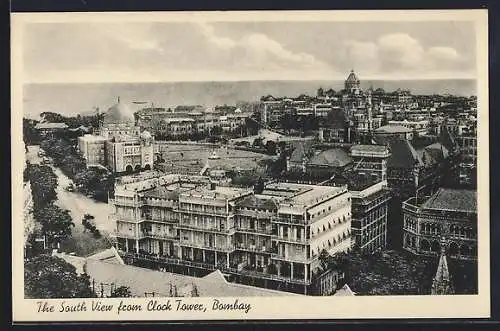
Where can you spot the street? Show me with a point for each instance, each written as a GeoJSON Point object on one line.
{"type": "Point", "coordinates": [78, 204]}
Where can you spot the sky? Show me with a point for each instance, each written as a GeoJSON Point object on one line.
{"type": "Point", "coordinates": [98, 52]}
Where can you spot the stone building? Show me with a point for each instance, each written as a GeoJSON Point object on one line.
{"type": "Point", "coordinates": [450, 215]}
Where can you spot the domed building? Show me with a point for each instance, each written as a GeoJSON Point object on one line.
{"type": "Point", "coordinates": [120, 146]}
{"type": "Point", "coordinates": [352, 83]}
{"type": "Point", "coordinates": [119, 113]}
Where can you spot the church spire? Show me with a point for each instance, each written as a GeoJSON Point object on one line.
{"type": "Point", "coordinates": [442, 285]}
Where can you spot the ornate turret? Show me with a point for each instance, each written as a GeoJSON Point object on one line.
{"type": "Point", "coordinates": [442, 284]}
{"type": "Point", "coordinates": [352, 83]}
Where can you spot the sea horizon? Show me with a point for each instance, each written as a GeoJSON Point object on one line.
{"type": "Point", "coordinates": [81, 98]}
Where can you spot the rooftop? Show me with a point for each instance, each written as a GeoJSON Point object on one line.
{"type": "Point", "coordinates": [258, 202]}
{"type": "Point", "coordinates": [141, 281]}
{"type": "Point", "coordinates": [393, 129]}
{"type": "Point", "coordinates": [335, 157]}
{"type": "Point", "coordinates": [51, 126]}
{"type": "Point", "coordinates": [372, 149]}
{"type": "Point", "coordinates": [453, 199]}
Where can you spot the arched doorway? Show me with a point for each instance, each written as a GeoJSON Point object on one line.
{"type": "Point", "coordinates": [453, 248]}
{"type": "Point", "coordinates": [147, 167]}
{"type": "Point", "coordinates": [129, 169]}
{"type": "Point", "coordinates": [425, 245]}
{"type": "Point", "coordinates": [138, 167]}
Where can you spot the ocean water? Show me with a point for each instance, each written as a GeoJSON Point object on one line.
{"type": "Point", "coordinates": [71, 99]}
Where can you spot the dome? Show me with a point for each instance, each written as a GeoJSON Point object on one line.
{"type": "Point", "coordinates": [119, 113]}
{"type": "Point", "coordinates": [352, 78]}
{"type": "Point", "coordinates": [146, 135]}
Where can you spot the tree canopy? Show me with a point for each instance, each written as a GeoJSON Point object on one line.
{"type": "Point", "coordinates": [47, 277]}
{"type": "Point", "coordinates": [121, 292]}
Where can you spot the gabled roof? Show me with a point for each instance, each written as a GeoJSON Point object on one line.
{"type": "Point", "coordinates": [403, 155]}
{"type": "Point", "coordinates": [345, 291]}
{"type": "Point", "coordinates": [335, 157]}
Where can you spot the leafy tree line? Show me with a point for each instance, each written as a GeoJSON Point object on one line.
{"type": "Point", "coordinates": [54, 223]}
{"type": "Point", "coordinates": [392, 272]}
{"type": "Point", "coordinates": [96, 182]}
{"type": "Point", "coordinates": [48, 277]}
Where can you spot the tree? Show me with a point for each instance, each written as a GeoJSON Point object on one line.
{"type": "Point", "coordinates": [271, 147]}
{"type": "Point", "coordinates": [259, 186]}
{"type": "Point", "coordinates": [50, 277]}
{"type": "Point", "coordinates": [324, 259]}
{"type": "Point", "coordinates": [56, 223]}
{"type": "Point", "coordinates": [320, 93]}
{"type": "Point", "coordinates": [121, 292]}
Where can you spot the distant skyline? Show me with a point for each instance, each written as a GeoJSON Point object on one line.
{"type": "Point", "coordinates": [236, 51]}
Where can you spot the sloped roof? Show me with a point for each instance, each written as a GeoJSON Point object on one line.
{"type": "Point", "coordinates": [352, 78]}
{"type": "Point", "coordinates": [344, 291]}
{"type": "Point", "coordinates": [118, 113]}
{"type": "Point", "coordinates": [447, 139]}
{"type": "Point", "coordinates": [141, 280]}
{"type": "Point", "coordinates": [403, 155]}
{"type": "Point", "coordinates": [298, 153]}
{"type": "Point", "coordinates": [335, 157]}
{"type": "Point", "coordinates": [434, 153]}
{"type": "Point", "coordinates": [258, 203]}
{"type": "Point", "coordinates": [162, 193]}
{"type": "Point", "coordinates": [50, 126]}
{"type": "Point", "coordinates": [393, 129]}
{"type": "Point", "coordinates": [453, 199]}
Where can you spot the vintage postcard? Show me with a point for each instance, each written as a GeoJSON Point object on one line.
{"type": "Point", "coordinates": [250, 165]}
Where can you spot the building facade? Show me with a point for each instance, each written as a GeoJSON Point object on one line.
{"type": "Point", "coordinates": [271, 240]}
{"type": "Point", "coordinates": [449, 215]}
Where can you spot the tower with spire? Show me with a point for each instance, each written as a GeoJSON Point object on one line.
{"type": "Point", "coordinates": [442, 283]}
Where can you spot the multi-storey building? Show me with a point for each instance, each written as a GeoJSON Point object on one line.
{"type": "Point", "coordinates": [119, 145]}
{"type": "Point", "coordinates": [92, 149]}
{"type": "Point", "coordinates": [449, 215]}
{"type": "Point", "coordinates": [370, 161]}
{"type": "Point", "coordinates": [272, 240]}
{"type": "Point", "coordinates": [369, 214]}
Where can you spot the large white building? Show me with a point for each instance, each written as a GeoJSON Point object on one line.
{"type": "Point", "coordinates": [118, 145]}
{"type": "Point", "coordinates": [273, 239]}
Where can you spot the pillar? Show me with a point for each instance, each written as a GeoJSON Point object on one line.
{"type": "Point", "coordinates": [126, 245]}
{"type": "Point", "coordinates": [291, 270]}
{"type": "Point", "coordinates": [279, 268]}
{"type": "Point", "coordinates": [305, 273]}
{"type": "Point", "coordinates": [227, 259]}
{"type": "Point", "coordinates": [215, 253]}
{"type": "Point", "coordinates": [203, 252]}
{"type": "Point", "coordinates": [137, 246]}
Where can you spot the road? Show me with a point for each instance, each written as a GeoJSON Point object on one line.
{"type": "Point", "coordinates": [78, 205]}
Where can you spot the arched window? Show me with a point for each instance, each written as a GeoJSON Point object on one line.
{"type": "Point", "coordinates": [435, 246]}
{"type": "Point", "coordinates": [425, 245]}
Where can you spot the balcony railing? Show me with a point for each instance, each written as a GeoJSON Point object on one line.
{"type": "Point", "coordinates": [290, 239]}
{"type": "Point", "coordinates": [202, 212]}
{"type": "Point", "coordinates": [127, 219]}
{"type": "Point", "coordinates": [211, 267]}
{"type": "Point", "coordinates": [184, 226]}
{"type": "Point", "coordinates": [254, 248]}
{"type": "Point", "coordinates": [161, 236]}
{"type": "Point", "coordinates": [226, 249]}
{"type": "Point", "coordinates": [120, 202]}
{"type": "Point", "coordinates": [259, 231]}
{"type": "Point", "coordinates": [118, 234]}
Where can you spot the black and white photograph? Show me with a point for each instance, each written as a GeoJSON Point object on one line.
{"type": "Point", "coordinates": [228, 165]}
